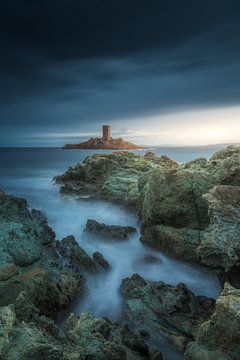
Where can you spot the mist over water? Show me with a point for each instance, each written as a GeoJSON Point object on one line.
{"type": "Point", "coordinates": [29, 174]}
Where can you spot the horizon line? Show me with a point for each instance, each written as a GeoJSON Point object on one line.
{"type": "Point", "coordinates": [143, 146]}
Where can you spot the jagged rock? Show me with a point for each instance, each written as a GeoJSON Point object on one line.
{"type": "Point", "coordinates": [31, 260]}
{"type": "Point", "coordinates": [112, 176]}
{"type": "Point", "coordinates": [100, 339]}
{"type": "Point", "coordinates": [163, 311]}
{"type": "Point", "coordinates": [99, 259]}
{"type": "Point", "coordinates": [174, 198]}
{"type": "Point", "coordinates": [219, 337]}
{"type": "Point", "coordinates": [25, 335]}
{"type": "Point", "coordinates": [77, 259]}
{"type": "Point", "coordinates": [220, 247]}
{"type": "Point", "coordinates": [179, 219]}
{"type": "Point", "coordinates": [35, 337]}
{"type": "Point", "coordinates": [109, 232]}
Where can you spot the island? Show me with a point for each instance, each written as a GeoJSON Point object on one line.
{"type": "Point", "coordinates": [105, 142]}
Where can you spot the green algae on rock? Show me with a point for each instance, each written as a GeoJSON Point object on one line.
{"type": "Point", "coordinates": [112, 176]}
{"type": "Point", "coordinates": [220, 246]}
{"type": "Point", "coordinates": [31, 260]}
{"type": "Point", "coordinates": [26, 334]}
{"type": "Point", "coordinates": [219, 337]}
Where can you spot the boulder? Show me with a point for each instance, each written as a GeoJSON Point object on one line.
{"type": "Point", "coordinates": [109, 232]}
{"type": "Point", "coordinates": [219, 337]}
{"type": "Point", "coordinates": [112, 176]}
{"type": "Point", "coordinates": [78, 260]}
{"type": "Point", "coordinates": [220, 246]}
{"type": "Point", "coordinates": [169, 314]}
{"type": "Point", "coordinates": [185, 217]}
{"type": "Point", "coordinates": [174, 198]}
{"type": "Point", "coordinates": [182, 243]}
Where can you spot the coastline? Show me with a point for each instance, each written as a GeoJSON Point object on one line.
{"type": "Point", "coordinates": [145, 166]}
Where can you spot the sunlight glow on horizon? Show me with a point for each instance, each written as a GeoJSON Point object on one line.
{"type": "Point", "coordinates": [195, 127]}
{"type": "Point", "coordinates": [179, 128]}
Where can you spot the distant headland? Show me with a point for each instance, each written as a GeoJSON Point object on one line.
{"type": "Point", "coordinates": [105, 142]}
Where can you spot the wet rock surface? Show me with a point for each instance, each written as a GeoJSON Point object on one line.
{"type": "Point", "coordinates": [168, 314]}
{"type": "Point", "coordinates": [51, 272]}
{"type": "Point", "coordinates": [109, 232]}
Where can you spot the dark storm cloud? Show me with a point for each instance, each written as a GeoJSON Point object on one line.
{"type": "Point", "coordinates": [65, 62]}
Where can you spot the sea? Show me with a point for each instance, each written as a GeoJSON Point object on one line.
{"type": "Point", "coordinates": [29, 173]}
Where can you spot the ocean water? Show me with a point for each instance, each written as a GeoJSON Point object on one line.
{"type": "Point", "coordinates": [29, 172]}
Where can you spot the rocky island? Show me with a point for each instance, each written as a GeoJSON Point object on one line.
{"type": "Point", "coordinates": [105, 142]}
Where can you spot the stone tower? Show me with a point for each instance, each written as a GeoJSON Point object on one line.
{"type": "Point", "coordinates": [106, 133]}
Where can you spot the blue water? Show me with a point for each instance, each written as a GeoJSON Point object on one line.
{"type": "Point", "coordinates": [29, 172]}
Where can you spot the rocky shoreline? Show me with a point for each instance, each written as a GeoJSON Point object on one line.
{"type": "Point", "coordinates": [189, 211]}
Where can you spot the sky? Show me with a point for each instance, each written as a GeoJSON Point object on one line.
{"type": "Point", "coordinates": [160, 72]}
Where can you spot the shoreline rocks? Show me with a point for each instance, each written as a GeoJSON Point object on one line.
{"type": "Point", "coordinates": [168, 314]}
{"type": "Point", "coordinates": [113, 177]}
{"type": "Point", "coordinates": [219, 337]}
{"type": "Point", "coordinates": [173, 201]}
{"type": "Point", "coordinates": [26, 334]}
{"type": "Point", "coordinates": [189, 211]}
{"type": "Point", "coordinates": [51, 272]}
{"type": "Point", "coordinates": [109, 232]}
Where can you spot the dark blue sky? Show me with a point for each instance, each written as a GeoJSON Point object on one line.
{"type": "Point", "coordinates": [158, 71]}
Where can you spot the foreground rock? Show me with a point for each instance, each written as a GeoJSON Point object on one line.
{"type": "Point", "coordinates": [220, 246]}
{"type": "Point", "coordinates": [112, 176]}
{"type": "Point", "coordinates": [39, 277]}
{"type": "Point", "coordinates": [165, 313]}
{"type": "Point", "coordinates": [51, 272]}
{"type": "Point", "coordinates": [98, 143]}
{"type": "Point", "coordinates": [219, 337]}
{"type": "Point", "coordinates": [193, 212]}
{"type": "Point", "coordinates": [25, 335]}
{"type": "Point", "coordinates": [109, 232]}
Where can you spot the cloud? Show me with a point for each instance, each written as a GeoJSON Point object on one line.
{"type": "Point", "coordinates": [68, 66]}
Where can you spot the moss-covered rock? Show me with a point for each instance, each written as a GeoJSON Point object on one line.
{"type": "Point", "coordinates": [182, 216]}
{"type": "Point", "coordinates": [220, 246]}
{"type": "Point", "coordinates": [219, 337]}
{"type": "Point", "coordinates": [112, 176]}
{"type": "Point", "coordinates": [51, 272]}
{"type": "Point", "coordinates": [26, 334]}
